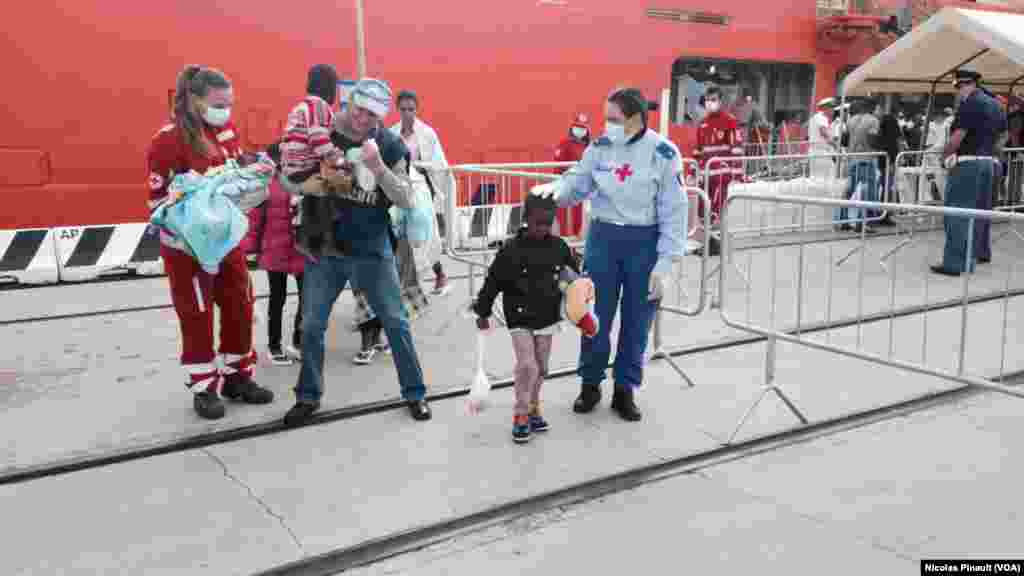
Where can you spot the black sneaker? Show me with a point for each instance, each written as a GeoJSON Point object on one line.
{"type": "Point", "coordinates": [301, 413]}
{"type": "Point", "coordinates": [239, 387]}
{"type": "Point", "coordinates": [208, 406]}
{"type": "Point", "coordinates": [419, 409]}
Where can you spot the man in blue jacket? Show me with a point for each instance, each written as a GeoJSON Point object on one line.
{"type": "Point", "coordinates": [346, 237]}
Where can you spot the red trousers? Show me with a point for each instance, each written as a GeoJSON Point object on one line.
{"type": "Point", "coordinates": [194, 292]}
{"type": "Point", "coordinates": [570, 220]}
{"type": "Point", "coordinates": [718, 185]}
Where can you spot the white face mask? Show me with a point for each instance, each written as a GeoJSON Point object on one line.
{"type": "Point", "coordinates": [578, 132]}
{"type": "Point", "coordinates": [217, 116]}
{"type": "Point", "coordinates": [615, 132]}
{"type": "Point", "coordinates": [714, 106]}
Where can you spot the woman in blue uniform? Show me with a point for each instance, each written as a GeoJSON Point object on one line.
{"type": "Point", "coordinates": [631, 175]}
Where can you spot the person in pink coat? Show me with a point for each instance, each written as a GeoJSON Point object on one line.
{"type": "Point", "coordinates": [272, 236]}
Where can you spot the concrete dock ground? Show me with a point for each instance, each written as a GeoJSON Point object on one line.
{"type": "Point", "coordinates": [81, 387]}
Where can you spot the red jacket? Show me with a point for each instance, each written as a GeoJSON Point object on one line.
{"type": "Point", "coordinates": [719, 136]}
{"type": "Point", "coordinates": [569, 150]}
{"type": "Point", "coordinates": [271, 234]}
{"type": "Point", "coordinates": [169, 155]}
{"type": "Point", "coordinates": [570, 220]}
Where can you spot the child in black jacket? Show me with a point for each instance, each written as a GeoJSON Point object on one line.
{"type": "Point", "coordinates": [527, 271]}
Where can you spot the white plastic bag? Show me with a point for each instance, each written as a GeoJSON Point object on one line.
{"type": "Point", "coordinates": [480, 388]}
{"type": "Point", "coordinates": [858, 192]}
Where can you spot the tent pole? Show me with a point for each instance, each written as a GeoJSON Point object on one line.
{"type": "Point", "coordinates": [1009, 91]}
{"type": "Point", "coordinates": [928, 116]}
{"type": "Point", "coordinates": [962, 64]}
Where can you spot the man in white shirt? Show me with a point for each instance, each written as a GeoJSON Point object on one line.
{"type": "Point", "coordinates": [935, 141]}
{"type": "Point", "coordinates": [820, 136]}
{"type": "Point", "coordinates": [425, 146]}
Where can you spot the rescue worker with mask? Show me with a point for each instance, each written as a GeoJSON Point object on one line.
{"type": "Point", "coordinates": [199, 137]}
{"type": "Point", "coordinates": [718, 136]}
{"type": "Point", "coordinates": [632, 177]}
{"type": "Point", "coordinates": [570, 149]}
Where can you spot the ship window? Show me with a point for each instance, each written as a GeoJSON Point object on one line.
{"type": "Point", "coordinates": [779, 91]}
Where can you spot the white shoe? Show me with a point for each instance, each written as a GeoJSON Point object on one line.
{"type": "Point", "coordinates": [365, 356]}
{"type": "Point", "coordinates": [293, 352]}
{"type": "Point", "coordinates": [441, 285]}
{"type": "Point", "coordinates": [278, 358]}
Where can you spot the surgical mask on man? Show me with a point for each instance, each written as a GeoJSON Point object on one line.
{"type": "Point", "coordinates": [616, 132]}
{"type": "Point", "coordinates": [578, 132]}
{"type": "Point", "coordinates": [217, 116]}
{"type": "Point", "coordinates": [714, 106]}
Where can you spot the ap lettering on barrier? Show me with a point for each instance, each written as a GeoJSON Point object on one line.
{"type": "Point", "coordinates": [87, 252]}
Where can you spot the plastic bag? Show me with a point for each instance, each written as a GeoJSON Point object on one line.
{"type": "Point", "coordinates": [480, 388]}
{"type": "Point", "coordinates": [415, 224]}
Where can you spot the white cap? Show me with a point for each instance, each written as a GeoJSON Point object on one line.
{"type": "Point", "coordinates": [373, 95]}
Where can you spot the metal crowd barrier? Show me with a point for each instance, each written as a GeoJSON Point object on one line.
{"type": "Point", "coordinates": [494, 211]}
{"type": "Point", "coordinates": [1010, 196]}
{"type": "Point", "coordinates": [827, 175]}
{"type": "Point", "coordinates": [796, 278]}
{"type": "Point", "coordinates": [681, 280]}
{"type": "Point", "coordinates": [920, 177]}
{"type": "Point", "coordinates": [772, 155]}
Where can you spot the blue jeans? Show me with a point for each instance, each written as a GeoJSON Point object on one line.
{"type": "Point", "coordinates": [863, 171]}
{"type": "Point", "coordinates": [983, 228]}
{"type": "Point", "coordinates": [619, 260]}
{"type": "Point", "coordinates": [966, 183]}
{"type": "Point", "coordinates": [323, 281]}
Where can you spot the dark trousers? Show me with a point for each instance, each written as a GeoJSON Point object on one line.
{"type": "Point", "coordinates": [982, 227]}
{"type": "Point", "coordinates": [968, 182]}
{"type": "Point", "coordinates": [275, 308]}
{"type": "Point", "coordinates": [619, 260]}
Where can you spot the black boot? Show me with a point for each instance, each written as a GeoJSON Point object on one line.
{"type": "Point", "coordinates": [208, 406]}
{"type": "Point", "coordinates": [301, 413]}
{"type": "Point", "coordinates": [239, 387]}
{"type": "Point", "coordinates": [622, 403]}
{"type": "Point", "coordinates": [588, 398]}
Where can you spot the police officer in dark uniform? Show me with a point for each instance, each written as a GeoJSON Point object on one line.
{"type": "Point", "coordinates": [968, 156]}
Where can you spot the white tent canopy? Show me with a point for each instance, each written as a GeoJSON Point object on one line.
{"type": "Point", "coordinates": [991, 43]}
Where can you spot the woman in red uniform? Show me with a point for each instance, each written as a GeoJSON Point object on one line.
{"type": "Point", "coordinates": [202, 136]}
{"type": "Point", "coordinates": [570, 149]}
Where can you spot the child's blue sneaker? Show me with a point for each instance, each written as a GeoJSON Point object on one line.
{"type": "Point", "coordinates": [538, 423]}
{"type": "Point", "coordinates": [521, 430]}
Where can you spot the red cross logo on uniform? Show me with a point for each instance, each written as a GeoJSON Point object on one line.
{"type": "Point", "coordinates": [623, 172]}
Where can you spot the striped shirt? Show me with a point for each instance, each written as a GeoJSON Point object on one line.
{"type": "Point", "coordinates": [307, 138]}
